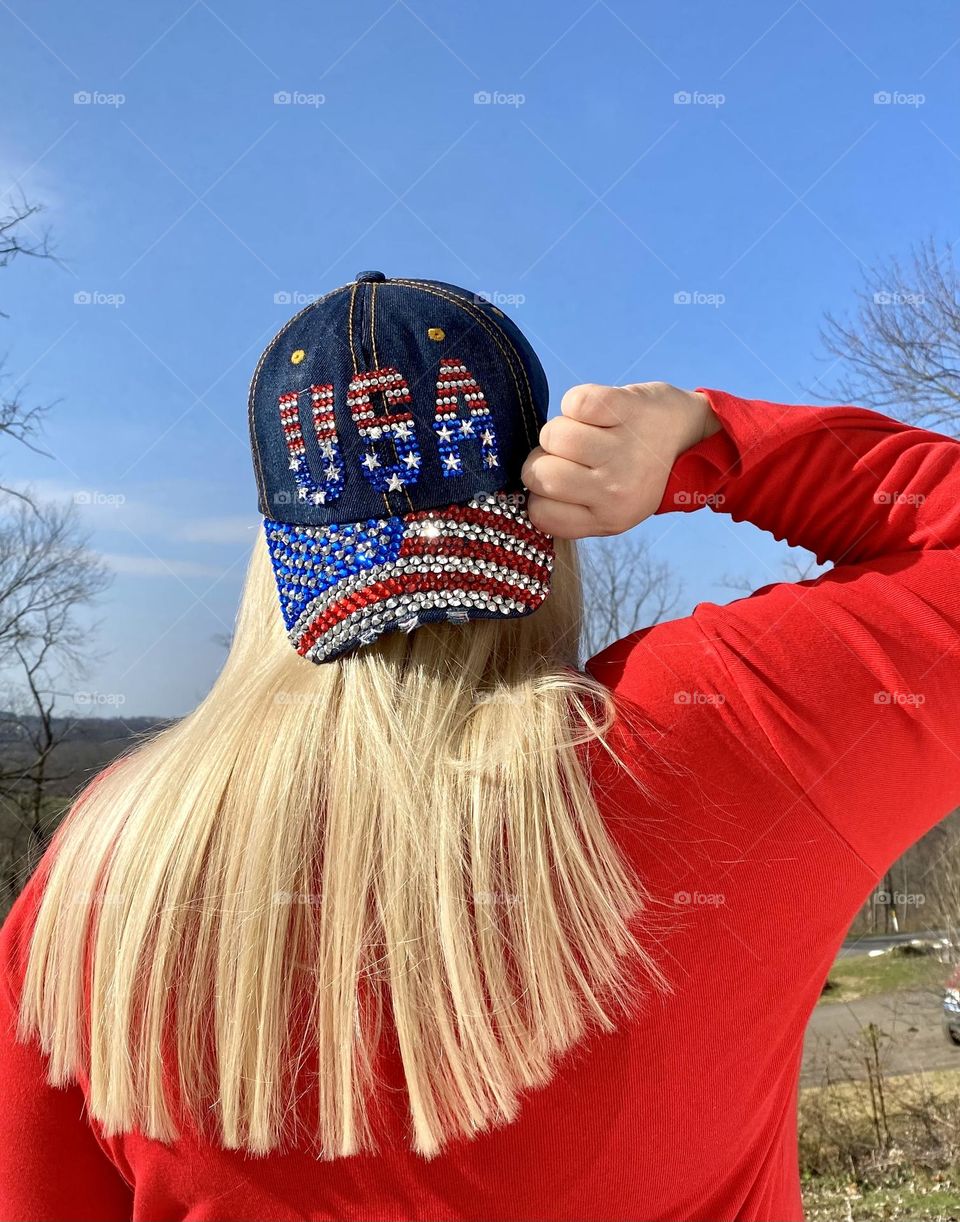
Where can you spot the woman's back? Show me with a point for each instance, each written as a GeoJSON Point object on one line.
{"type": "Point", "coordinates": [782, 751]}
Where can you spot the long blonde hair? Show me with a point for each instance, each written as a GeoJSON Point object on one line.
{"type": "Point", "coordinates": [408, 833]}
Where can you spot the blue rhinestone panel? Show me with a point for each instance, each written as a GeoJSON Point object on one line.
{"type": "Point", "coordinates": [310, 559]}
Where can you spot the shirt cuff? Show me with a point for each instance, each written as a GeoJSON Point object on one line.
{"type": "Point", "coordinates": [751, 429]}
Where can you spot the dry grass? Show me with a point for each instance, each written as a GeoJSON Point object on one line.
{"type": "Point", "coordinates": [886, 1147]}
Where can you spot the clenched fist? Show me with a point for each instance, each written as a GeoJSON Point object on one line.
{"type": "Point", "coordinates": [602, 465]}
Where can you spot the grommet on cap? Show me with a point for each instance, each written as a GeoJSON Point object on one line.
{"type": "Point", "coordinates": [367, 277]}
{"type": "Point", "coordinates": [297, 357]}
{"type": "Point", "coordinates": [436, 333]}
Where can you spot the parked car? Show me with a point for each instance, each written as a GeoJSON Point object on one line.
{"type": "Point", "coordinates": [951, 1008]}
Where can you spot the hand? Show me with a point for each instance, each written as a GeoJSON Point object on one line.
{"type": "Point", "coordinates": [602, 465]}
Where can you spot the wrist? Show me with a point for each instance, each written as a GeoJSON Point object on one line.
{"type": "Point", "coordinates": [710, 422]}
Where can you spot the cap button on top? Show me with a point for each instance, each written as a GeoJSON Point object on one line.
{"type": "Point", "coordinates": [362, 277]}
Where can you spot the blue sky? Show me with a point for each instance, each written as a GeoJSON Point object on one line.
{"type": "Point", "coordinates": [195, 208]}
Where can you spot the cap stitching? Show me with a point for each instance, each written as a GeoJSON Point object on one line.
{"type": "Point", "coordinates": [497, 335]}
{"type": "Point", "coordinates": [373, 323]}
{"type": "Point", "coordinates": [376, 364]}
{"type": "Point", "coordinates": [258, 467]}
{"type": "Point", "coordinates": [353, 355]}
{"type": "Point", "coordinates": [356, 366]}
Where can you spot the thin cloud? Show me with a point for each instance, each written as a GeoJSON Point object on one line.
{"type": "Point", "coordinates": [155, 566]}
{"type": "Point", "coordinates": [217, 530]}
{"type": "Point", "coordinates": [104, 507]}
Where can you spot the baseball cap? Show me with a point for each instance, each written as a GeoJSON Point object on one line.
{"type": "Point", "coordinates": [389, 421]}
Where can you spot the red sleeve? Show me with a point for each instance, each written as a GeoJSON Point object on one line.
{"type": "Point", "coordinates": [846, 688]}
{"type": "Point", "coordinates": [52, 1167]}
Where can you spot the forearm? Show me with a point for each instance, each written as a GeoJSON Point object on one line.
{"type": "Point", "coordinates": [846, 483]}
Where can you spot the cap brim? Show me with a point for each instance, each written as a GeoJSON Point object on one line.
{"type": "Point", "coordinates": [343, 586]}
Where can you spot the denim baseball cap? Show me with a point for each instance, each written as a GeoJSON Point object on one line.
{"type": "Point", "coordinates": [389, 421]}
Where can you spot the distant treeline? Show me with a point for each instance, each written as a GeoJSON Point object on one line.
{"type": "Point", "coordinates": [34, 800]}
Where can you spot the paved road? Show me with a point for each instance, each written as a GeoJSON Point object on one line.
{"type": "Point", "coordinates": [912, 1018]}
{"type": "Point", "coordinates": [860, 946]}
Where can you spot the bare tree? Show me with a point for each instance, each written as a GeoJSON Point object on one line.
{"type": "Point", "coordinates": [799, 565]}
{"type": "Point", "coordinates": [624, 588]}
{"type": "Point", "coordinates": [17, 236]}
{"type": "Point", "coordinates": [941, 882]}
{"type": "Point", "coordinates": [18, 421]}
{"type": "Point", "coordinates": [900, 354]}
{"type": "Point", "coordinates": [901, 351]}
{"type": "Point", "coordinates": [47, 576]}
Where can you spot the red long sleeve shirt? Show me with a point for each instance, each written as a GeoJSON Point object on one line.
{"type": "Point", "coordinates": [796, 742]}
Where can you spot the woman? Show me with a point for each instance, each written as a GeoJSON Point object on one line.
{"type": "Point", "coordinates": [418, 920]}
